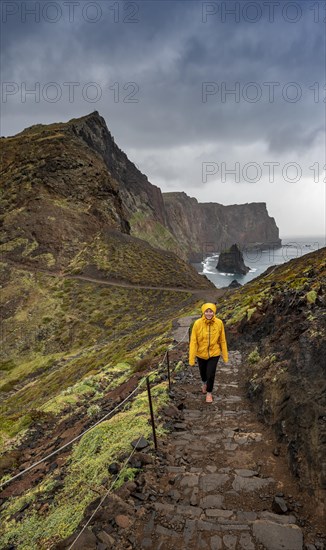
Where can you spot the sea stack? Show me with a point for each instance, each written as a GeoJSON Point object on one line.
{"type": "Point", "coordinates": [231, 261]}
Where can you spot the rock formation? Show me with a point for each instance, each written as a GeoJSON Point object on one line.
{"type": "Point", "coordinates": [280, 318]}
{"type": "Point", "coordinates": [99, 186]}
{"type": "Point", "coordinates": [62, 209]}
{"type": "Point", "coordinates": [202, 228]}
{"type": "Point", "coordinates": [231, 261]}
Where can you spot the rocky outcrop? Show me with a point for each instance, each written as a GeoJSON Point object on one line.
{"type": "Point", "coordinates": [142, 200]}
{"type": "Point", "coordinates": [135, 189]}
{"type": "Point", "coordinates": [280, 318]}
{"type": "Point", "coordinates": [73, 175]}
{"type": "Point", "coordinates": [202, 228]}
{"type": "Point", "coordinates": [231, 261]}
{"type": "Point", "coordinates": [63, 210]}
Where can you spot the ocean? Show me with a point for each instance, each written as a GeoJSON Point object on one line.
{"type": "Point", "coordinates": [259, 260]}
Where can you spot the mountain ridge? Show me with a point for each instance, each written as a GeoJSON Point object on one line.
{"type": "Point", "coordinates": [132, 204]}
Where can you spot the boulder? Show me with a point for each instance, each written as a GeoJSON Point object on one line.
{"type": "Point", "coordinates": [231, 261]}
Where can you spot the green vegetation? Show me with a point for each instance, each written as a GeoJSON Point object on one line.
{"type": "Point", "coordinates": [63, 331]}
{"type": "Point", "coordinates": [254, 356]}
{"type": "Point", "coordinates": [86, 477]}
{"type": "Point", "coordinates": [144, 227]}
{"type": "Point", "coordinates": [311, 296]}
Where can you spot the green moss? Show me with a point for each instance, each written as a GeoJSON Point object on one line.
{"type": "Point", "coordinates": [254, 356]}
{"type": "Point", "coordinates": [250, 312]}
{"type": "Point", "coordinates": [85, 473]}
{"type": "Point", "coordinates": [311, 297]}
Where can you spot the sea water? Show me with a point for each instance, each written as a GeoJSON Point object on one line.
{"type": "Point", "coordinates": [259, 260]}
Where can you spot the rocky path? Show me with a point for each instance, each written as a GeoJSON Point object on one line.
{"type": "Point", "coordinates": [217, 484]}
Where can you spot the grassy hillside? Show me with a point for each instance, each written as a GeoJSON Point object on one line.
{"type": "Point", "coordinates": [72, 350]}
{"type": "Point", "coordinates": [57, 331]}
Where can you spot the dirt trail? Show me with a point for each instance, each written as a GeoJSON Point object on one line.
{"type": "Point", "coordinates": [209, 293]}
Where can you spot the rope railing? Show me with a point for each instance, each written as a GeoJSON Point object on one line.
{"type": "Point", "coordinates": [107, 415]}
{"type": "Point", "coordinates": [105, 496]}
{"type": "Point", "coordinates": [132, 452]}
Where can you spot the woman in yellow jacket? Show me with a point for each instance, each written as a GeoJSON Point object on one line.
{"type": "Point", "coordinates": [207, 343]}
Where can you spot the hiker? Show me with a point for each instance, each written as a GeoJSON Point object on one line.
{"type": "Point", "coordinates": [207, 343]}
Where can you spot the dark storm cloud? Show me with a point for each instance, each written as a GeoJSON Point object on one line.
{"type": "Point", "coordinates": [166, 71]}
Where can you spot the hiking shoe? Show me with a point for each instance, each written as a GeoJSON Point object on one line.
{"type": "Point", "coordinates": [209, 398]}
{"type": "Point", "coordinates": [204, 388]}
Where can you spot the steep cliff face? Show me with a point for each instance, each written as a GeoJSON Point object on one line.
{"type": "Point", "coordinates": [247, 224]}
{"type": "Point", "coordinates": [73, 181]}
{"type": "Point", "coordinates": [211, 227]}
{"type": "Point", "coordinates": [142, 200]}
{"type": "Point", "coordinates": [56, 195]}
{"type": "Point", "coordinates": [63, 210]}
{"type": "Point", "coordinates": [280, 319]}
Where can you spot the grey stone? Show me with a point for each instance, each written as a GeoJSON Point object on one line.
{"type": "Point", "coordinates": [139, 444]}
{"type": "Point", "coordinates": [284, 520]}
{"type": "Point", "coordinates": [233, 526]}
{"type": "Point", "coordinates": [191, 511]}
{"type": "Point", "coordinates": [279, 505]}
{"type": "Point", "coordinates": [216, 543]}
{"type": "Point", "coordinates": [211, 469]}
{"type": "Point", "coordinates": [106, 538]}
{"type": "Point", "coordinates": [87, 540]}
{"type": "Point", "coordinates": [275, 536]}
{"type": "Point", "coordinates": [180, 426]}
{"type": "Point", "coordinates": [246, 473]}
{"type": "Point", "coordinates": [189, 480]}
{"type": "Point", "coordinates": [207, 526]}
{"type": "Point", "coordinates": [230, 542]}
{"type": "Point", "coordinates": [189, 529]}
{"type": "Point", "coordinates": [216, 513]}
{"type": "Point", "coordinates": [149, 527]}
{"type": "Point", "coordinates": [175, 495]}
{"type": "Point", "coordinates": [250, 483]}
{"type": "Point", "coordinates": [202, 544]}
{"type": "Point", "coordinates": [246, 516]}
{"type": "Point", "coordinates": [246, 542]}
{"type": "Point", "coordinates": [194, 497]}
{"type": "Point", "coordinates": [114, 468]}
{"type": "Point", "coordinates": [211, 501]}
{"type": "Point", "coordinates": [211, 482]}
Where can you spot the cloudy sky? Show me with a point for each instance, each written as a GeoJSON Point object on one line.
{"type": "Point", "coordinates": [222, 100]}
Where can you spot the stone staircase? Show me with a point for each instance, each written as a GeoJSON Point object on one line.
{"type": "Point", "coordinates": [216, 484]}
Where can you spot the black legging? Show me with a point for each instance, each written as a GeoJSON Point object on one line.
{"type": "Point", "coordinates": [207, 369]}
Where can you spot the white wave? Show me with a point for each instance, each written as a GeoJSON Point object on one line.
{"type": "Point", "coordinates": [206, 270]}
{"type": "Point", "coordinates": [226, 274]}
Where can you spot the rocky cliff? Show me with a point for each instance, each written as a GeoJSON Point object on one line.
{"type": "Point", "coordinates": [231, 261]}
{"type": "Point", "coordinates": [63, 210]}
{"type": "Point", "coordinates": [142, 200]}
{"type": "Point", "coordinates": [211, 227]}
{"type": "Point", "coordinates": [74, 181]}
{"type": "Point", "coordinates": [280, 319]}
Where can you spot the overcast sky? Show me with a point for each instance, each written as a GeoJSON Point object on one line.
{"type": "Point", "coordinates": [162, 73]}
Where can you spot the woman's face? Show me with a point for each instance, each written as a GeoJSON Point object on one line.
{"type": "Point", "coordinates": [209, 313]}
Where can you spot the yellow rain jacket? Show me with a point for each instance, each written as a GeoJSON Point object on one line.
{"type": "Point", "coordinates": [207, 337]}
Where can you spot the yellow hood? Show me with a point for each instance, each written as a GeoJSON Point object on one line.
{"type": "Point", "coordinates": [208, 305]}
